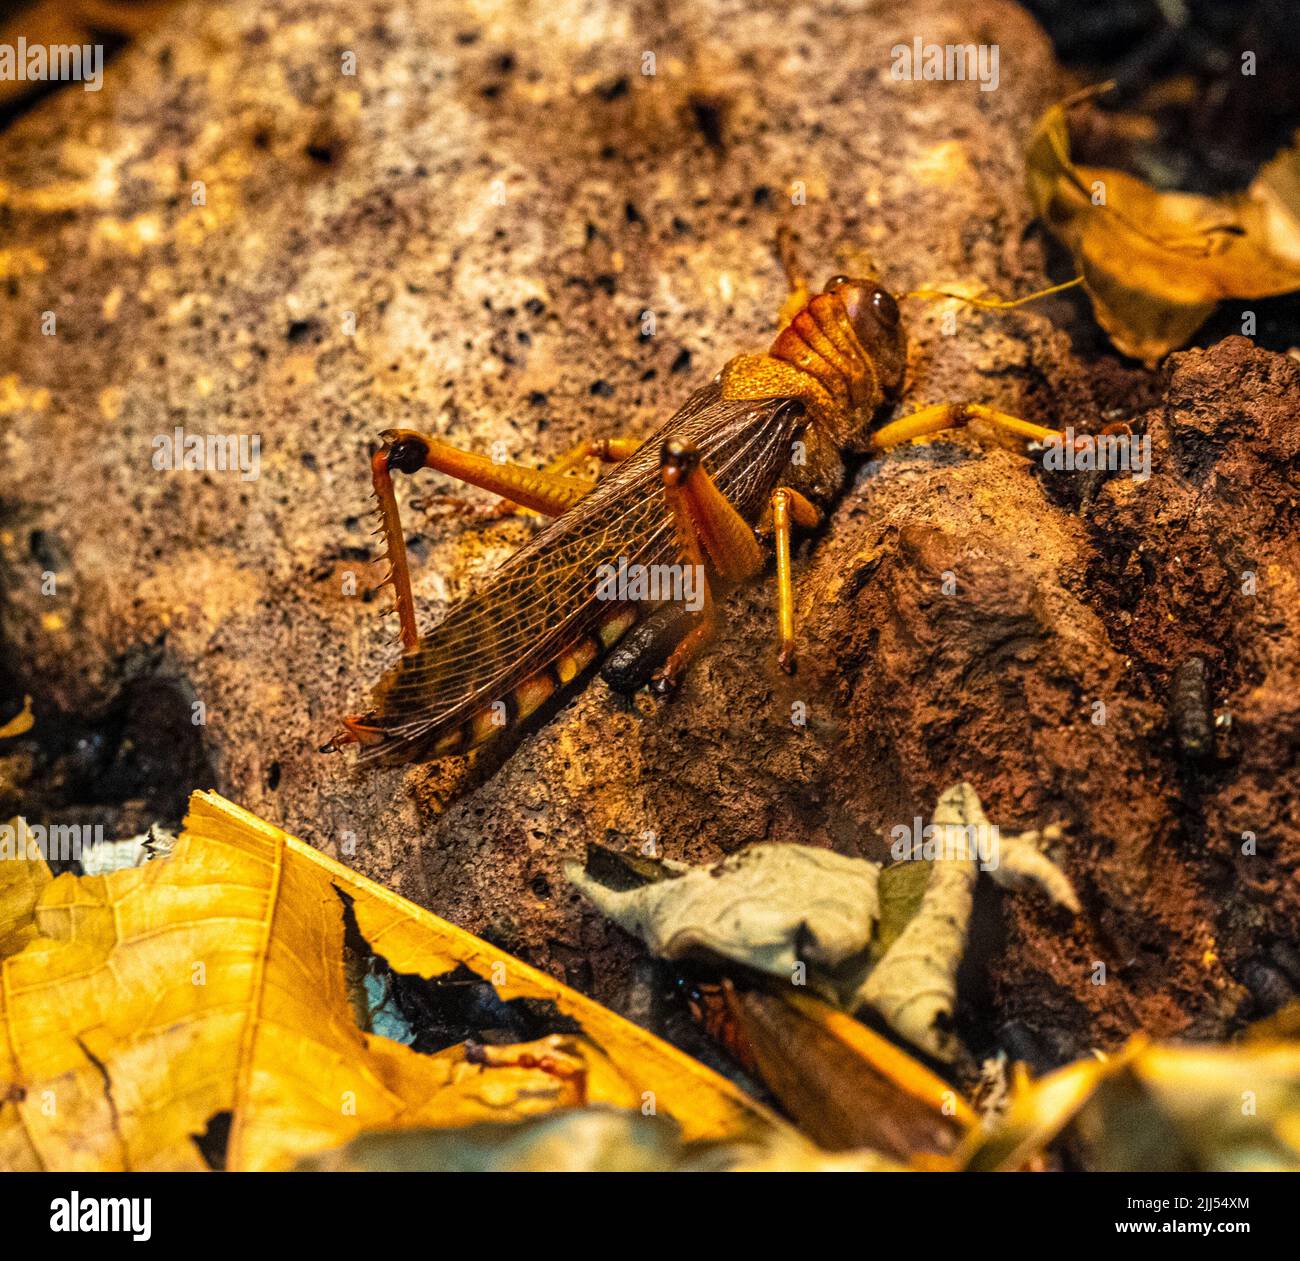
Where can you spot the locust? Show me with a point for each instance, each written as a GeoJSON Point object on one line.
{"type": "Point", "coordinates": [765, 447]}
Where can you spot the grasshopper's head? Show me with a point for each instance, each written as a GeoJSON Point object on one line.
{"type": "Point", "coordinates": [874, 315]}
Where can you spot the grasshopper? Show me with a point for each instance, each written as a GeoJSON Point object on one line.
{"type": "Point", "coordinates": [762, 448]}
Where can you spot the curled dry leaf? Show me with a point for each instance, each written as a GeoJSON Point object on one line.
{"type": "Point", "coordinates": [21, 723]}
{"type": "Point", "coordinates": [914, 985]}
{"type": "Point", "coordinates": [1155, 263]}
{"type": "Point", "coordinates": [154, 1005]}
{"type": "Point", "coordinates": [1156, 1107]}
{"type": "Point", "coordinates": [780, 908]}
{"type": "Point", "coordinates": [771, 907]}
{"type": "Point", "coordinates": [1022, 865]}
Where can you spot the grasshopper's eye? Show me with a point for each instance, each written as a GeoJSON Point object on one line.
{"type": "Point", "coordinates": [885, 307]}
{"type": "Point", "coordinates": [835, 281]}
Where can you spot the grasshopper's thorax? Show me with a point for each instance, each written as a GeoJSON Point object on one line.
{"type": "Point", "coordinates": [842, 356]}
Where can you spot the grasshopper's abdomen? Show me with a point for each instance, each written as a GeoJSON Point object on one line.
{"type": "Point", "coordinates": [527, 696]}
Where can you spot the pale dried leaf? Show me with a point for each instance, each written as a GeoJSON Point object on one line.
{"type": "Point", "coordinates": [769, 907]}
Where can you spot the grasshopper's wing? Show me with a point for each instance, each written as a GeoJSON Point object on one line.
{"type": "Point", "coordinates": [543, 599]}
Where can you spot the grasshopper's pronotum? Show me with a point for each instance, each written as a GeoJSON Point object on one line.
{"type": "Point", "coordinates": [760, 449]}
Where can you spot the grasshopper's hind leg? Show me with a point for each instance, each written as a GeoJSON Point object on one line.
{"type": "Point", "coordinates": [355, 729]}
{"type": "Point", "coordinates": [406, 451]}
{"type": "Point", "coordinates": [537, 489]}
{"type": "Point", "coordinates": [606, 450]}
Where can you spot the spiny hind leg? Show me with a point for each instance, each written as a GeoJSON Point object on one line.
{"type": "Point", "coordinates": [943, 416]}
{"type": "Point", "coordinates": [399, 572]}
{"type": "Point", "coordinates": [406, 451]}
{"type": "Point", "coordinates": [707, 526]}
{"type": "Point", "coordinates": [789, 508]}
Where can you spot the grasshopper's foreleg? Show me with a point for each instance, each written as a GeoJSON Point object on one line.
{"type": "Point", "coordinates": [788, 506]}
{"type": "Point", "coordinates": [707, 526]}
{"type": "Point", "coordinates": [941, 416]}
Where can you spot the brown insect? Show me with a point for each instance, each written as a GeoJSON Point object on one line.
{"type": "Point", "coordinates": [761, 448]}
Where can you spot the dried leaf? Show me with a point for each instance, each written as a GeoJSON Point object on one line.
{"type": "Point", "coordinates": [1021, 865]}
{"type": "Point", "coordinates": [787, 910]}
{"type": "Point", "coordinates": [1156, 263]}
{"type": "Point", "coordinates": [99, 860]}
{"type": "Point", "coordinates": [914, 985]}
{"type": "Point", "coordinates": [21, 885]}
{"type": "Point", "coordinates": [153, 1001]}
{"type": "Point", "coordinates": [1161, 1107]}
{"type": "Point", "coordinates": [585, 1140]}
{"type": "Point", "coordinates": [21, 723]}
{"type": "Point", "coordinates": [581, 1140]}
{"type": "Point", "coordinates": [770, 907]}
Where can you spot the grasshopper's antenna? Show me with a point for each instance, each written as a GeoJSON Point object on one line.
{"type": "Point", "coordinates": [992, 304]}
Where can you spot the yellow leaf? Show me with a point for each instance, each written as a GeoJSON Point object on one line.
{"type": "Point", "coordinates": [1162, 1106]}
{"type": "Point", "coordinates": [1156, 263]}
{"type": "Point", "coordinates": [21, 723]}
{"type": "Point", "coordinates": [155, 1001]}
{"type": "Point", "coordinates": [21, 884]}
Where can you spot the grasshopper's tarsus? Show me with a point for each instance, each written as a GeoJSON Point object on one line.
{"type": "Point", "coordinates": [355, 731]}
